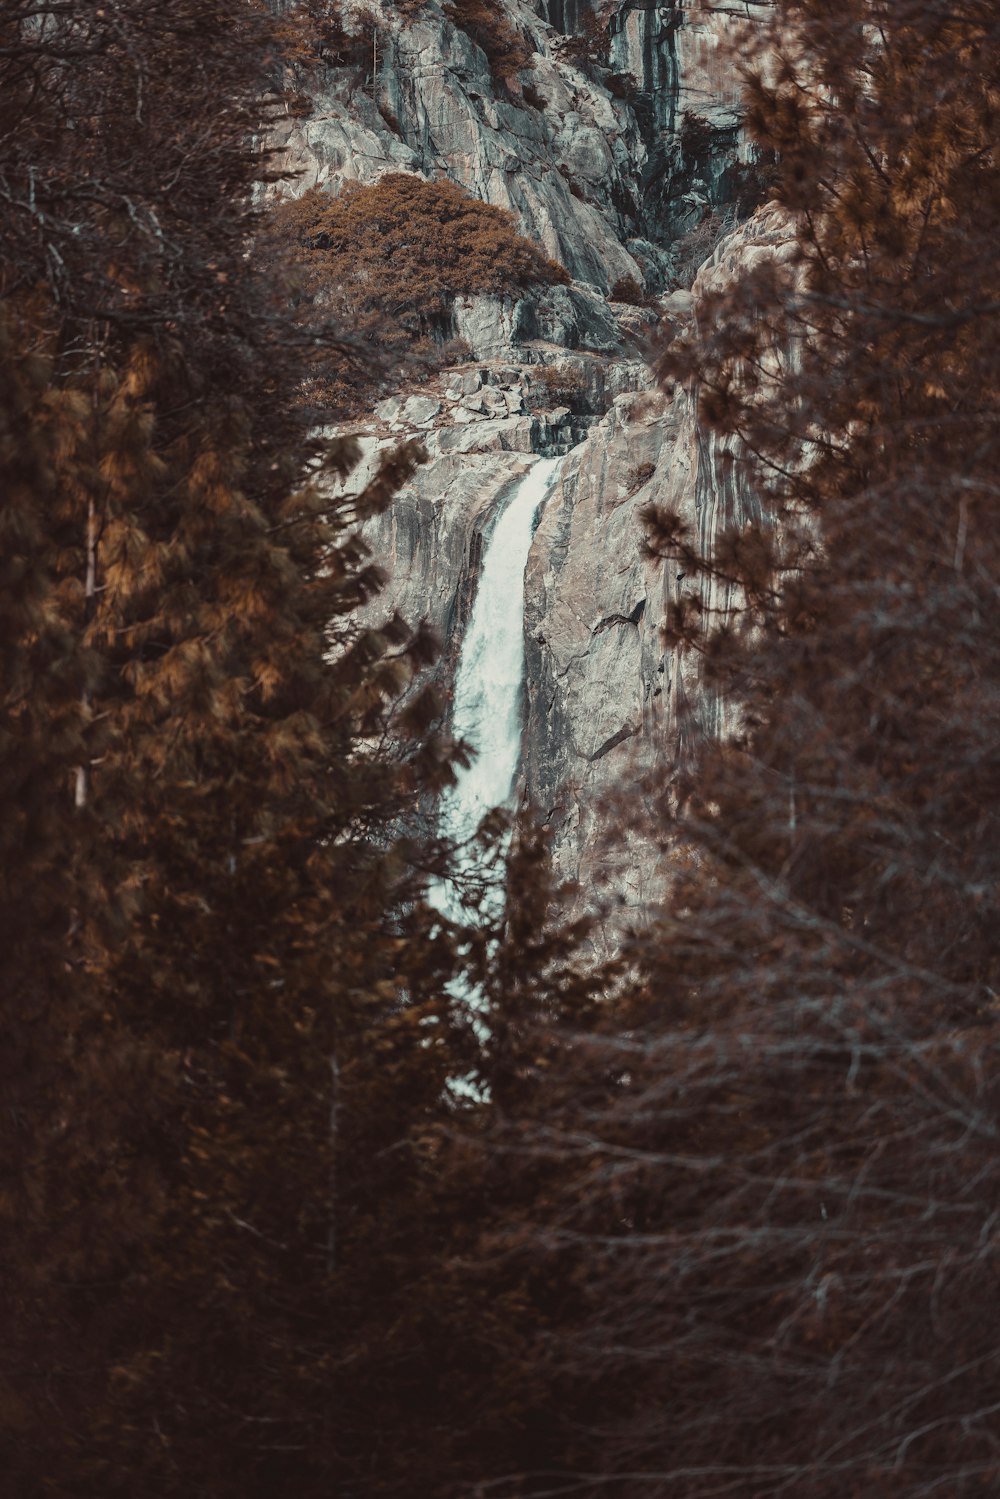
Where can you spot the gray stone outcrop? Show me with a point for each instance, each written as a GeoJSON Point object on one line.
{"type": "Point", "coordinates": [562, 371]}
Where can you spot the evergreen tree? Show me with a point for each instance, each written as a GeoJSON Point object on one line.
{"type": "Point", "coordinates": [226, 1015]}
{"type": "Point", "coordinates": [778, 1152]}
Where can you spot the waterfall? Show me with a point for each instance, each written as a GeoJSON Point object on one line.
{"type": "Point", "coordinates": [490, 677]}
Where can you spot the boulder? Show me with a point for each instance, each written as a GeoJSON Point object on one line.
{"type": "Point", "coordinates": [420, 411]}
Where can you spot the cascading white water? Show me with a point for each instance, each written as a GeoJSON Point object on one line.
{"type": "Point", "coordinates": [490, 675]}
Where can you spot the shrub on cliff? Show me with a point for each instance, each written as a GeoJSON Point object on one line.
{"type": "Point", "coordinates": [506, 49]}
{"type": "Point", "coordinates": [627, 289]}
{"type": "Point", "coordinates": [559, 385]}
{"type": "Point", "coordinates": [589, 46]}
{"type": "Point", "coordinates": [391, 258]}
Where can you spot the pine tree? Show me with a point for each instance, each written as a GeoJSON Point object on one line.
{"type": "Point", "coordinates": [227, 1019]}
{"type": "Point", "coordinates": [778, 1152]}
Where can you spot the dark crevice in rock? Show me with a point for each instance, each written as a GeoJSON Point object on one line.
{"type": "Point", "coordinates": [621, 619]}
{"type": "Point", "coordinates": [628, 732]}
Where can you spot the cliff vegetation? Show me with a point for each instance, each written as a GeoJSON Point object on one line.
{"type": "Point", "coordinates": [388, 262]}
{"type": "Point", "coordinates": [307, 1189]}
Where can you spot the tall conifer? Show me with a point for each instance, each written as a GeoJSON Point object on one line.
{"type": "Point", "coordinates": [779, 1155]}
{"type": "Point", "coordinates": [208, 894]}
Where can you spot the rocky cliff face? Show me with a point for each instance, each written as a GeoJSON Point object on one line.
{"type": "Point", "coordinates": [611, 175]}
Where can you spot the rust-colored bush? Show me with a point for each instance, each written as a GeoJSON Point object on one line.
{"type": "Point", "coordinates": [638, 477]}
{"type": "Point", "coordinates": [627, 289]}
{"type": "Point", "coordinates": [559, 385]}
{"type": "Point", "coordinates": [506, 49]}
{"type": "Point", "coordinates": [389, 260]}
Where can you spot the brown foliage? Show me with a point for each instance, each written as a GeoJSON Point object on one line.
{"type": "Point", "coordinates": [206, 888]}
{"type": "Point", "coordinates": [627, 289]}
{"type": "Point", "coordinates": [720, 1220]}
{"type": "Point", "coordinates": [490, 28]}
{"type": "Point", "coordinates": [588, 48]}
{"type": "Point", "coordinates": [637, 478]}
{"type": "Point", "coordinates": [556, 385]}
{"type": "Point", "coordinates": [389, 260]}
{"type": "Point", "coordinates": [779, 1153]}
